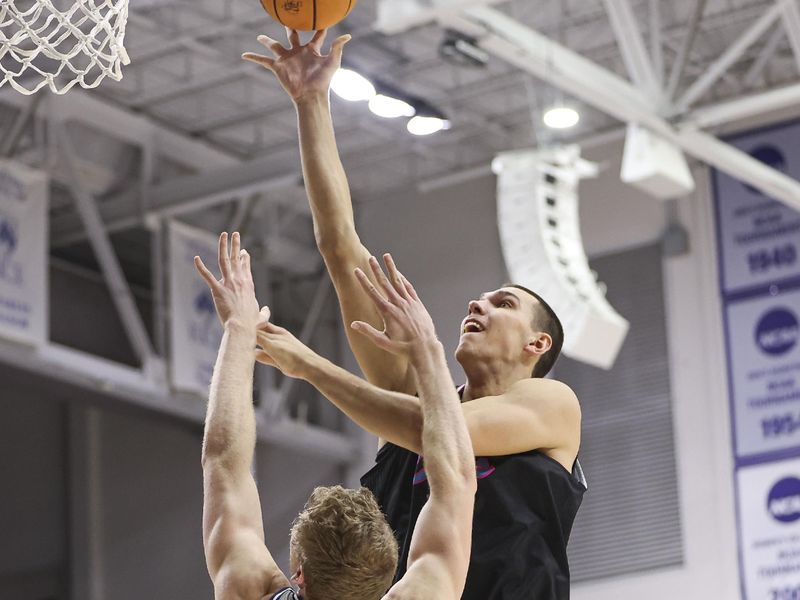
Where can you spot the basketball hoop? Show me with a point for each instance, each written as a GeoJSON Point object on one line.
{"type": "Point", "coordinates": [42, 45]}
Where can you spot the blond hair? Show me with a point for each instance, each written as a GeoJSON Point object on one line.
{"type": "Point", "coordinates": [344, 544]}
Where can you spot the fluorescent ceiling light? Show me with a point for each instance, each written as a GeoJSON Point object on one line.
{"type": "Point", "coordinates": [390, 108]}
{"type": "Point", "coordinates": [427, 125]}
{"type": "Point", "coordinates": [352, 86]}
{"type": "Point", "coordinates": [561, 117]}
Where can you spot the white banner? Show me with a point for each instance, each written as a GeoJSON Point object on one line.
{"type": "Point", "coordinates": [759, 237]}
{"type": "Point", "coordinates": [24, 236]}
{"type": "Point", "coordinates": [769, 509]}
{"type": "Point", "coordinates": [764, 364]}
{"type": "Point", "coordinates": [195, 331]}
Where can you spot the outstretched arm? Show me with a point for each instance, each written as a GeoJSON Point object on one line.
{"type": "Point", "coordinates": [238, 561]}
{"type": "Point", "coordinates": [305, 74]}
{"type": "Point", "coordinates": [533, 414]}
{"type": "Point", "coordinates": [440, 547]}
{"type": "Point", "coordinates": [441, 542]}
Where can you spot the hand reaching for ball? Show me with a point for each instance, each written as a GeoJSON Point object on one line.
{"type": "Point", "coordinates": [302, 69]}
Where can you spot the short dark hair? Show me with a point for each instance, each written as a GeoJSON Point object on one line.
{"type": "Point", "coordinates": [545, 319]}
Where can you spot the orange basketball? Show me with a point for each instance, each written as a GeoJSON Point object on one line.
{"type": "Point", "coordinates": [308, 15]}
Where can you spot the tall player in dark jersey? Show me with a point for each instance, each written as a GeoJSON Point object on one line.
{"type": "Point", "coordinates": [341, 545]}
{"type": "Point", "coordinates": [525, 429]}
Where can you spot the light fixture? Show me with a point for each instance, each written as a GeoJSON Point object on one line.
{"type": "Point", "coordinates": [561, 117]}
{"type": "Point", "coordinates": [426, 125]}
{"type": "Point", "coordinates": [390, 108]}
{"type": "Point", "coordinates": [462, 50]}
{"type": "Point", "coordinates": [352, 86]}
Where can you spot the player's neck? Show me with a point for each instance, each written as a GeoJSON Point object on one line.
{"type": "Point", "coordinates": [486, 379]}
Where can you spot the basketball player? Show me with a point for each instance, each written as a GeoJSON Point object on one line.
{"type": "Point", "coordinates": [525, 429]}
{"type": "Point", "coordinates": [341, 545]}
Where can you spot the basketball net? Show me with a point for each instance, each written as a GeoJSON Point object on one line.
{"type": "Point", "coordinates": [42, 45]}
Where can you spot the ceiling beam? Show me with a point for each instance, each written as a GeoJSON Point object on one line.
{"type": "Point", "coordinates": [765, 54]}
{"type": "Point", "coordinates": [685, 49]}
{"type": "Point", "coordinates": [598, 87]}
{"type": "Point", "coordinates": [745, 107]}
{"type": "Point", "coordinates": [88, 109]}
{"type": "Point", "coordinates": [790, 12]}
{"type": "Point", "coordinates": [730, 56]}
{"type": "Point", "coordinates": [656, 45]}
{"type": "Point", "coordinates": [632, 47]}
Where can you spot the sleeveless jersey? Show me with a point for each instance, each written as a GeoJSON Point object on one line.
{"type": "Point", "coordinates": [524, 509]}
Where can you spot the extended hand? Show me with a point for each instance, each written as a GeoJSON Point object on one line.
{"type": "Point", "coordinates": [302, 69]}
{"type": "Point", "coordinates": [407, 324]}
{"type": "Point", "coordinates": [234, 295]}
{"type": "Point", "coordinates": [280, 349]}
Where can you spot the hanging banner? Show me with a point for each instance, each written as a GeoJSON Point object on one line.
{"type": "Point", "coordinates": [769, 520]}
{"type": "Point", "coordinates": [195, 331]}
{"type": "Point", "coordinates": [759, 237]}
{"type": "Point", "coordinates": [764, 366]}
{"type": "Point", "coordinates": [24, 237]}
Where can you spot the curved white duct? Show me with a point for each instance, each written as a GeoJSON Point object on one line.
{"type": "Point", "coordinates": [537, 214]}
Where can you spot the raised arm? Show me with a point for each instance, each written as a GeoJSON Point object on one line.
{"type": "Point", "coordinates": [238, 561]}
{"type": "Point", "coordinates": [439, 555]}
{"type": "Point", "coordinates": [305, 73]}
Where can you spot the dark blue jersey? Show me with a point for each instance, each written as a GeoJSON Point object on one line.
{"type": "Point", "coordinates": [524, 509]}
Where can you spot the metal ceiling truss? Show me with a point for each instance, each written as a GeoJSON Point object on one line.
{"type": "Point", "coordinates": [536, 54]}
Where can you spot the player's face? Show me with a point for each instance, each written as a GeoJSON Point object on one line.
{"type": "Point", "coordinates": [499, 324]}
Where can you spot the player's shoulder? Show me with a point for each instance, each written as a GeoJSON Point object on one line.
{"type": "Point", "coordinates": [557, 394]}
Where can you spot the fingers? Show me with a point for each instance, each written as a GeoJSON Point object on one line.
{"type": "Point", "coordinates": [269, 328]}
{"type": "Point", "coordinates": [380, 302]}
{"type": "Point", "coordinates": [205, 273]}
{"type": "Point", "coordinates": [294, 37]}
{"type": "Point", "coordinates": [318, 39]}
{"type": "Point", "coordinates": [264, 358]}
{"type": "Point", "coordinates": [390, 292]}
{"type": "Point", "coordinates": [244, 258]}
{"type": "Point", "coordinates": [260, 60]}
{"type": "Point", "coordinates": [395, 276]}
{"type": "Point", "coordinates": [409, 288]}
{"type": "Point", "coordinates": [376, 337]}
{"type": "Point", "coordinates": [236, 250]}
{"type": "Point", "coordinates": [275, 46]}
{"type": "Point", "coordinates": [265, 314]}
{"type": "Point", "coordinates": [338, 46]}
{"type": "Point", "coordinates": [222, 256]}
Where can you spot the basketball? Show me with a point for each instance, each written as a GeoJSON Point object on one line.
{"type": "Point", "coordinates": [308, 15]}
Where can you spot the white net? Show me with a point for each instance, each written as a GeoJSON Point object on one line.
{"type": "Point", "coordinates": [43, 45]}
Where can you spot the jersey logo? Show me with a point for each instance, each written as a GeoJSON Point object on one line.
{"type": "Point", "coordinates": [483, 468]}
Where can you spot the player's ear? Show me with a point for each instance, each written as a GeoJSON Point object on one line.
{"type": "Point", "coordinates": [298, 577]}
{"type": "Point", "coordinates": [539, 343]}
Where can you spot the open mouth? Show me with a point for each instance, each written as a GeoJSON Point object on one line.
{"type": "Point", "coordinates": [472, 327]}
